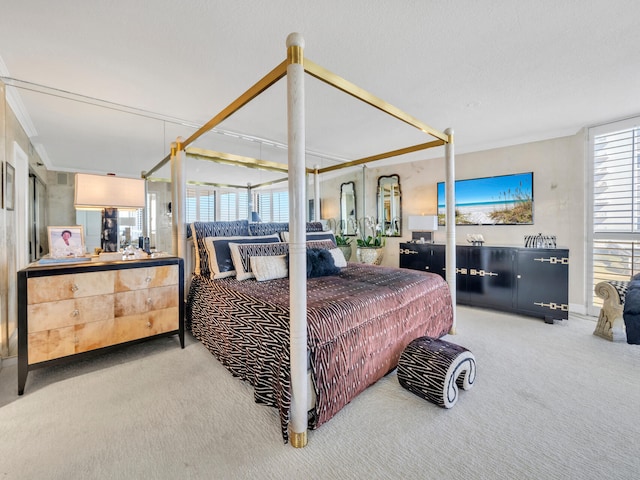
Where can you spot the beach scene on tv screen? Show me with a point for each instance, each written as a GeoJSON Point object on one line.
{"type": "Point", "coordinates": [502, 200]}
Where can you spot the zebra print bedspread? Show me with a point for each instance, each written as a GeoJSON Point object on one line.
{"type": "Point", "coordinates": [359, 322]}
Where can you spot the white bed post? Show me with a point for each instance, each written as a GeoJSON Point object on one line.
{"type": "Point", "coordinates": [249, 203]}
{"type": "Point", "coordinates": [316, 194]}
{"type": "Point", "coordinates": [178, 195]}
{"type": "Point", "coordinates": [451, 222]}
{"type": "Point", "coordinates": [297, 241]}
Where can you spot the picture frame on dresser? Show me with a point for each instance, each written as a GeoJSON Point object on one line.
{"type": "Point", "coordinates": [66, 241]}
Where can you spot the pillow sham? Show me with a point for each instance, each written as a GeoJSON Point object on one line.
{"type": "Point", "coordinates": [241, 254]}
{"type": "Point", "coordinates": [219, 253]}
{"type": "Point", "coordinates": [328, 235]}
{"type": "Point", "coordinates": [200, 230]}
{"type": "Point", "coordinates": [269, 268]}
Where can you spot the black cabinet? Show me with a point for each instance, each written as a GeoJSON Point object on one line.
{"type": "Point", "coordinates": [523, 280]}
{"type": "Point", "coordinates": [488, 280]}
{"type": "Point", "coordinates": [428, 257]}
{"type": "Point", "coordinates": [543, 281]}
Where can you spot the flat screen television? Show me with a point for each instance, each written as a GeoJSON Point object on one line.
{"type": "Point", "coordinates": [501, 200]}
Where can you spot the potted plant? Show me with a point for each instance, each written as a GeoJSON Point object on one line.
{"type": "Point", "coordinates": [344, 244]}
{"type": "Point", "coordinates": [370, 249]}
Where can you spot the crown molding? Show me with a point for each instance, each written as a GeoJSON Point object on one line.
{"type": "Point", "coordinates": [15, 103]}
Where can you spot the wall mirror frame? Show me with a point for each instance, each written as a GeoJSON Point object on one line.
{"type": "Point", "coordinates": [348, 216]}
{"type": "Point", "coordinates": [389, 205]}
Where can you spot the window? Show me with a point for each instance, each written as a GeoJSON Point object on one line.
{"type": "Point", "coordinates": [243, 205]}
{"type": "Point", "coordinates": [201, 204]}
{"type": "Point", "coordinates": [616, 182]}
{"type": "Point", "coordinates": [264, 206]}
{"type": "Point", "coordinates": [280, 206]}
{"type": "Point", "coordinates": [615, 219]}
{"type": "Point", "coordinates": [228, 206]}
{"type": "Point", "coordinates": [202, 201]}
{"type": "Point", "coordinates": [274, 206]}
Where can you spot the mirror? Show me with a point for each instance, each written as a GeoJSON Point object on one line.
{"type": "Point", "coordinates": [348, 222]}
{"type": "Point", "coordinates": [389, 205]}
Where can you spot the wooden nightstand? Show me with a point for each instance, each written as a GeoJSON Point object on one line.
{"type": "Point", "coordinates": [66, 310]}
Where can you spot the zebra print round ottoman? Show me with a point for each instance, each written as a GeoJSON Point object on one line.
{"type": "Point", "coordinates": [434, 369]}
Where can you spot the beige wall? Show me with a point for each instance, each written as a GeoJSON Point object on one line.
{"type": "Point", "coordinates": [559, 197]}
{"type": "Point", "coordinates": [4, 275]}
{"type": "Point", "coordinates": [12, 133]}
{"type": "Point", "coordinates": [60, 193]}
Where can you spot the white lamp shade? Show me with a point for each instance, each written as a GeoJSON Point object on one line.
{"type": "Point", "coordinates": [426, 223]}
{"type": "Point", "coordinates": [108, 191]}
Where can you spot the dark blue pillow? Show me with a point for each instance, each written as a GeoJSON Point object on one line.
{"type": "Point", "coordinates": [320, 263]}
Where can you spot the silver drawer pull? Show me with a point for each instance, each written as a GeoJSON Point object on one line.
{"type": "Point", "coordinates": [74, 288]}
{"type": "Point", "coordinates": [149, 324]}
{"type": "Point", "coordinates": [75, 313]}
{"type": "Point", "coordinates": [149, 301]}
{"type": "Point", "coordinates": [148, 279]}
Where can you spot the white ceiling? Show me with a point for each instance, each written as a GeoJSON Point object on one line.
{"type": "Point", "coordinates": [119, 76]}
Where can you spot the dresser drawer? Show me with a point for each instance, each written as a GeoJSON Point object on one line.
{"type": "Point", "coordinates": [141, 278]}
{"type": "Point", "coordinates": [142, 325]}
{"type": "Point", "coordinates": [63, 287]}
{"type": "Point", "coordinates": [50, 315]}
{"type": "Point", "coordinates": [142, 301]}
{"type": "Point", "coordinates": [61, 342]}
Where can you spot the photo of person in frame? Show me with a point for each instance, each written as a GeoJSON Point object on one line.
{"type": "Point", "coordinates": [66, 241]}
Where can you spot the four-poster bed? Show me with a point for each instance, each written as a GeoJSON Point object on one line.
{"type": "Point", "coordinates": [404, 292]}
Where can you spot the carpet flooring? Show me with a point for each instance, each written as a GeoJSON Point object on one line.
{"type": "Point", "coordinates": [549, 402]}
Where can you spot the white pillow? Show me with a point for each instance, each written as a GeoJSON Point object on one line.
{"type": "Point", "coordinates": [338, 257]}
{"type": "Point", "coordinates": [269, 268]}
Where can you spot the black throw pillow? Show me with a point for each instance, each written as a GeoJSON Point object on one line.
{"type": "Point", "coordinates": [320, 263]}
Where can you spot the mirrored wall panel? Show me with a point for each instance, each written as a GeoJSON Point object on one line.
{"type": "Point", "coordinates": [389, 205]}
{"type": "Point", "coordinates": [348, 221]}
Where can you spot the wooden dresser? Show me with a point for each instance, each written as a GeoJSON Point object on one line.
{"type": "Point", "coordinates": [65, 310]}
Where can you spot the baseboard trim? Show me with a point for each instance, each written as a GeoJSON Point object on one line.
{"type": "Point", "coordinates": [578, 309]}
{"type": "Point", "coordinates": [8, 361]}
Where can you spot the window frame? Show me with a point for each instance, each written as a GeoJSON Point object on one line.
{"type": "Point", "coordinates": [595, 237]}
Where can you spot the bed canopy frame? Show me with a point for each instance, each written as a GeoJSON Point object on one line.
{"type": "Point", "coordinates": [294, 68]}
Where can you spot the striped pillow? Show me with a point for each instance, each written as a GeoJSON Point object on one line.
{"type": "Point", "coordinates": [219, 252]}
{"type": "Point", "coordinates": [201, 230]}
{"type": "Point", "coordinates": [241, 254]}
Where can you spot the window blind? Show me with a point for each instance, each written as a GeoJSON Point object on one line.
{"type": "Point", "coordinates": [280, 206]}
{"type": "Point", "coordinates": [615, 252]}
{"type": "Point", "coordinates": [616, 179]}
{"type": "Point", "coordinates": [273, 206]}
{"type": "Point", "coordinates": [201, 204]}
